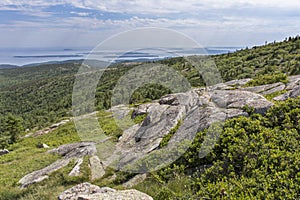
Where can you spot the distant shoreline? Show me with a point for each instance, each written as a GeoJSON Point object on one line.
{"type": "Point", "coordinates": [32, 57]}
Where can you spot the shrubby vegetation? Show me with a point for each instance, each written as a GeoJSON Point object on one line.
{"type": "Point", "coordinates": [268, 79]}
{"type": "Point", "coordinates": [269, 59]}
{"type": "Point", "coordinates": [255, 158]}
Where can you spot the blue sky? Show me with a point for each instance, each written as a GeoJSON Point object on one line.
{"type": "Point", "coordinates": [85, 23]}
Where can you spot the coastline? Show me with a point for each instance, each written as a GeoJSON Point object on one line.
{"type": "Point", "coordinates": [36, 56]}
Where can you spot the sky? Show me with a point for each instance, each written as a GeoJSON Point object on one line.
{"type": "Point", "coordinates": [86, 23]}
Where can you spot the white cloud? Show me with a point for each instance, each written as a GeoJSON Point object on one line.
{"type": "Point", "coordinates": [154, 6]}
{"type": "Point", "coordinates": [81, 14]}
{"type": "Point", "coordinates": [174, 6]}
{"type": "Point", "coordinates": [217, 21]}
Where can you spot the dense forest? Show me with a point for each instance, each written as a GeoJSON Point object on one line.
{"type": "Point", "coordinates": [257, 157]}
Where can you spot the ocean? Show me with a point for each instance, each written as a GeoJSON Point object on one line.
{"type": "Point", "coordinates": [27, 56]}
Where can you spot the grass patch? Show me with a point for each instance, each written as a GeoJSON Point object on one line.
{"type": "Point", "coordinates": [25, 157]}
{"type": "Point", "coordinates": [179, 187]}
{"type": "Point", "coordinates": [140, 118]}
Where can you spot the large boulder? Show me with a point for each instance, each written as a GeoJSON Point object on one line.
{"type": "Point", "coordinates": [87, 191]}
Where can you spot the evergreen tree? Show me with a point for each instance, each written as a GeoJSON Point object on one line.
{"type": "Point", "coordinates": [10, 129]}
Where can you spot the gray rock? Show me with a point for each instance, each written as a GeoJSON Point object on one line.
{"type": "Point", "coordinates": [169, 100]}
{"type": "Point", "coordinates": [138, 149]}
{"type": "Point", "coordinates": [76, 170]}
{"type": "Point", "coordinates": [279, 88]}
{"type": "Point", "coordinates": [282, 97]}
{"type": "Point", "coordinates": [292, 84]}
{"type": "Point", "coordinates": [75, 150]}
{"type": "Point", "coordinates": [161, 118]}
{"type": "Point", "coordinates": [3, 152]}
{"type": "Point", "coordinates": [294, 93]}
{"type": "Point", "coordinates": [69, 152]}
{"type": "Point", "coordinates": [45, 146]}
{"type": "Point", "coordinates": [118, 195]}
{"type": "Point", "coordinates": [238, 83]}
{"type": "Point", "coordinates": [159, 122]}
{"type": "Point", "coordinates": [42, 174]}
{"type": "Point", "coordinates": [135, 180]}
{"type": "Point", "coordinates": [87, 191]}
{"type": "Point", "coordinates": [264, 88]}
{"type": "Point", "coordinates": [198, 109]}
{"type": "Point", "coordinates": [120, 111]}
{"type": "Point", "coordinates": [83, 188]}
{"type": "Point", "coordinates": [295, 78]}
{"type": "Point", "coordinates": [97, 169]}
{"type": "Point", "coordinates": [220, 86]}
{"type": "Point", "coordinates": [141, 110]}
{"type": "Point", "coordinates": [239, 99]}
{"type": "Point", "coordinates": [59, 124]}
{"type": "Point", "coordinates": [231, 113]}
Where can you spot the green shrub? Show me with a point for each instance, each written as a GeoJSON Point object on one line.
{"type": "Point", "coordinates": [256, 157]}
{"type": "Point", "coordinates": [167, 137]}
{"type": "Point", "coordinates": [268, 79]}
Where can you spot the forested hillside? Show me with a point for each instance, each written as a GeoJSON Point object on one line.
{"type": "Point", "coordinates": [40, 95]}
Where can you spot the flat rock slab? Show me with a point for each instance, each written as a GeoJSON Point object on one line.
{"type": "Point", "coordinates": [294, 93]}
{"type": "Point", "coordinates": [239, 99]}
{"type": "Point", "coordinates": [263, 89]}
{"type": "Point", "coordinates": [42, 174]}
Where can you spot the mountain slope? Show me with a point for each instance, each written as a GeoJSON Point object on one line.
{"type": "Point", "coordinates": [256, 156]}
{"type": "Point", "coordinates": [250, 147]}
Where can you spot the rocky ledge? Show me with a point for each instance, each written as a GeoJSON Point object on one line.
{"type": "Point", "coordinates": [197, 110]}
